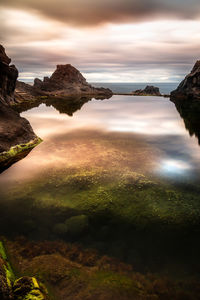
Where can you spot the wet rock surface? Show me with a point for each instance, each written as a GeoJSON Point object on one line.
{"type": "Point", "coordinates": [189, 88]}
{"type": "Point", "coordinates": [148, 91]}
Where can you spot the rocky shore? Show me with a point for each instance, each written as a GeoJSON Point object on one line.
{"type": "Point", "coordinates": [16, 135]}
{"type": "Point", "coordinates": [189, 88]}
{"type": "Point", "coordinates": [64, 82]}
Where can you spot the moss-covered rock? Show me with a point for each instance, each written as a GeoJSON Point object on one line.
{"type": "Point", "coordinates": [28, 288]}
{"type": "Point", "coordinates": [73, 226]}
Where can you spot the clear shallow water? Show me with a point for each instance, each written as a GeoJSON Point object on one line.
{"type": "Point", "coordinates": [128, 165]}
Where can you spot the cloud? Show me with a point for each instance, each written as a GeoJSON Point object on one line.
{"type": "Point", "coordinates": [90, 12]}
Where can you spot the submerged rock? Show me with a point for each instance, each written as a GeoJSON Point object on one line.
{"type": "Point", "coordinates": [189, 88]}
{"type": "Point", "coordinates": [24, 288]}
{"type": "Point", "coordinates": [148, 91]}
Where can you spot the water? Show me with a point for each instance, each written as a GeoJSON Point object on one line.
{"type": "Point", "coordinates": [117, 87]}
{"type": "Point", "coordinates": [126, 166]}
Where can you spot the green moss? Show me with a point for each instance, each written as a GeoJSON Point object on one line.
{"type": "Point", "coordinates": [28, 288]}
{"type": "Point", "coordinates": [16, 150]}
{"type": "Point", "coordinates": [7, 267]}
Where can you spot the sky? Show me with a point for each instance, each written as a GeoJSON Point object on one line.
{"type": "Point", "coordinates": [107, 40]}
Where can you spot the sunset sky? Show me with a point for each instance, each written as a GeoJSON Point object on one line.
{"type": "Point", "coordinates": [107, 40]}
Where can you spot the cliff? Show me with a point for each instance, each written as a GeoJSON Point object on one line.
{"type": "Point", "coordinates": [16, 135]}
{"type": "Point", "coordinates": [189, 88]}
{"type": "Point", "coordinates": [8, 77]}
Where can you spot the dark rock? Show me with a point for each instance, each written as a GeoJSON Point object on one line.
{"type": "Point", "coordinates": [16, 135]}
{"type": "Point", "coordinates": [148, 91]}
{"type": "Point", "coordinates": [67, 80]}
{"type": "Point", "coordinates": [8, 77]}
{"type": "Point", "coordinates": [189, 88]}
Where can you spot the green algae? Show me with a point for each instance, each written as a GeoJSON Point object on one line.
{"type": "Point", "coordinates": [7, 267]}
{"type": "Point", "coordinates": [17, 149]}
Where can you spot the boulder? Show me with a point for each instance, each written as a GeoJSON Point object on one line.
{"type": "Point", "coordinates": [149, 90]}
{"type": "Point", "coordinates": [189, 88]}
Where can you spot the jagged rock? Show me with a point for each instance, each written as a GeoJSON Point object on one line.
{"type": "Point", "coordinates": [8, 77]}
{"type": "Point", "coordinates": [189, 88]}
{"type": "Point", "coordinates": [67, 80]}
{"type": "Point", "coordinates": [25, 92]}
{"type": "Point", "coordinates": [149, 90]}
{"type": "Point", "coordinates": [16, 135]}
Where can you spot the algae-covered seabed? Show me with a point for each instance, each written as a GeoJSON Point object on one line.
{"type": "Point", "coordinates": [86, 215]}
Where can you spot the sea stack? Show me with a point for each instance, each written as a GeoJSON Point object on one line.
{"type": "Point", "coordinates": [149, 90]}
{"type": "Point", "coordinates": [16, 135]}
{"type": "Point", "coordinates": [67, 80]}
{"type": "Point", "coordinates": [189, 88]}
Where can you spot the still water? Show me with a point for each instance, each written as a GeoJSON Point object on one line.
{"type": "Point", "coordinates": [152, 121]}
{"type": "Point", "coordinates": [126, 165]}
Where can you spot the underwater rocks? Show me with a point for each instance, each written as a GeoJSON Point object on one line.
{"type": "Point", "coordinates": [16, 135]}
{"type": "Point", "coordinates": [148, 91]}
{"type": "Point", "coordinates": [189, 88]}
{"type": "Point", "coordinates": [8, 77]}
{"type": "Point", "coordinates": [67, 80]}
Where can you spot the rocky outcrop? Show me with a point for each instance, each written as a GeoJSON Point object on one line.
{"type": "Point", "coordinates": [16, 135]}
{"type": "Point", "coordinates": [67, 80]}
{"type": "Point", "coordinates": [189, 88]}
{"type": "Point", "coordinates": [8, 77]}
{"type": "Point", "coordinates": [148, 91]}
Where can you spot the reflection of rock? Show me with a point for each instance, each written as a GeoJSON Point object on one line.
{"type": "Point", "coordinates": [190, 112]}
{"type": "Point", "coordinates": [189, 88]}
{"type": "Point", "coordinates": [67, 80]}
{"type": "Point", "coordinates": [67, 105]}
{"type": "Point", "coordinates": [148, 91]}
{"type": "Point", "coordinates": [16, 135]}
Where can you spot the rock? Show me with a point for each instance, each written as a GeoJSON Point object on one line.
{"type": "Point", "coordinates": [73, 226]}
{"type": "Point", "coordinates": [16, 135]}
{"type": "Point", "coordinates": [148, 91]}
{"type": "Point", "coordinates": [8, 77]}
{"type": "Point", "coordinates": [28, 288]}
{"type": "Point", "coordinates": [25, 92]}
{"type": "Point", "coordinates": [189, 88]}
{"type": "Point", "coordinates": [67, 80]}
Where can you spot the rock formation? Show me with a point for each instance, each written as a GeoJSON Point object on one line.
{"type": "Point", "coordinates": [148, 91]}
{"type": "Point", "coordinates": [8, 77]}
{"type": "Point", "coordinates": [189, 88]}
{"type": "Point", "coordinates": [67, 80]}
{"type": "Point", "coordinates": [16, 135]}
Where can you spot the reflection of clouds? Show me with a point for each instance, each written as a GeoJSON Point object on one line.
{"type": "Point", "coordinates": [174, 167]}
{"type": "Point", "coordinates": [155, 120]}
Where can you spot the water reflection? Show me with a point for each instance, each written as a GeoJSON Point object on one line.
{"type": "Point", "coordinates": [190, 112]}
{"type": "Point", "coordinates": [153, 121]}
